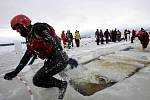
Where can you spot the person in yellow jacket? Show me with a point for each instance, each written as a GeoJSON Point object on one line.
{"type": "Point", "coordinates": [77, 38]}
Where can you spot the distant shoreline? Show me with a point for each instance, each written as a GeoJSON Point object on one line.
{"type": "Point", "coordinates": [9, 44]}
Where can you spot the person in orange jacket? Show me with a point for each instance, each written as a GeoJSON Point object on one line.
{"type": "Point", "coordinates": [143, 37]}
{"type": "Point", "coordinates": [63, 38]}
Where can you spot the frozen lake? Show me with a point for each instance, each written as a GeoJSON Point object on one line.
{"type": "Point", "coordinates": [123, 64]}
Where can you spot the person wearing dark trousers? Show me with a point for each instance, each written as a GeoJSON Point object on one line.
{"type": "Point", "coordinates": [133, 35]}
{"type": "Point", "coordinates": [107, 35]}
{"type": "Point", "coordinates": [69, 37]}
{"type": "Point", "coordinates": [101, 37]}
{"type": "Point", "coordinates": [97, 36]}
{"type": "Point", "coordinates": [42, 41]}
{"type": "Point", "coordinates": [77, 38]}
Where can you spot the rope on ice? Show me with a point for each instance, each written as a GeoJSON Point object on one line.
{"type": "Point", "coordinates": [27, 86]}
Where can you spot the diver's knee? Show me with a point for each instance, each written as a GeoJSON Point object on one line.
{"type": "Point", "coordinates": [35, 81]}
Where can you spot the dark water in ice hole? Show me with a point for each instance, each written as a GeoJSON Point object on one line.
{"type": "Point", "coordinates": [87, 89]}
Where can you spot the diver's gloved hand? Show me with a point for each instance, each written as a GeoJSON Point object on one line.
{"type": "Point", "coordinates": [10, 75]}
{"type": "Point", "coordinates": [73, 63]}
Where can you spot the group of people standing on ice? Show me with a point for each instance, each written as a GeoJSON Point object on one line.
{"type": "Point", "coordinates": [115, 35]}
{"type": "Point", "coordinates": [106, 36]}
{"type": "Point", "coordinates": [67, 39]}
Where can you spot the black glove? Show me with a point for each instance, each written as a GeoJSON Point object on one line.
{"type": "Point", "coordinates": [73, 63]}
{"type": "Point", "coordinates": [10, 75]}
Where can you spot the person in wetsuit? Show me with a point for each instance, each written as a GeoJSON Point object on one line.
{"type": "Point", "coordinates": [41, 41]}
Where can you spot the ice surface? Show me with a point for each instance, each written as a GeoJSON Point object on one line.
{"type": "Point", "coordinates": [114, 64]}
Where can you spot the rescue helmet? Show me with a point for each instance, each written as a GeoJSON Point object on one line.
{"type": "Point", "coordinates": [20, 19]}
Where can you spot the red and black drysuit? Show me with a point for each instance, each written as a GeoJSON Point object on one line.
{"type": "Point", "coordinates": [43, 42]}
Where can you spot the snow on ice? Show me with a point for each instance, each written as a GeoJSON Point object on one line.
{"type": "Point", "coordinates": [114, 71]}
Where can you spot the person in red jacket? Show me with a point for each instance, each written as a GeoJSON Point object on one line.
{"type": "Point", "coordinates": [63, 38]}
{"type": "Point", "coordinates": [41, 41]}
{"type": "Point", "coordinates": [143, 37]}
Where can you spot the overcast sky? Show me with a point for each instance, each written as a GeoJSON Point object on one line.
{"type": "Point", "coordinates": [79, 14]}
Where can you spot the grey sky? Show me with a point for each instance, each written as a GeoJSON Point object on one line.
{"type": "Point", "coordinates": [79, 14]}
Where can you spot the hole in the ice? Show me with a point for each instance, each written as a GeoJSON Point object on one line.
{"type": "Point", "coordinates": [88, 88]}
{"type": "Point", "coordinates": [125, 67]}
